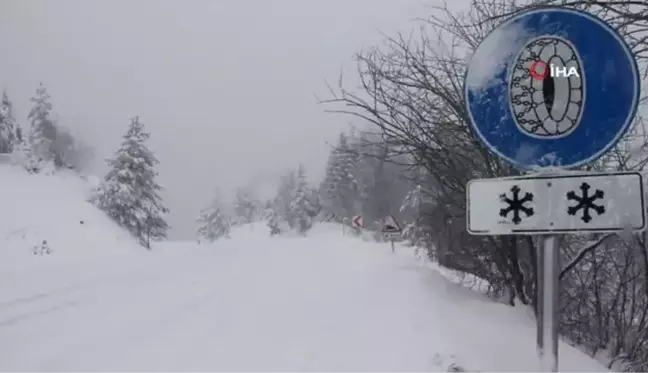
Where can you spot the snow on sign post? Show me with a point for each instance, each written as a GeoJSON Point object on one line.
{"type": "Point", "coordinates": [548, 90]}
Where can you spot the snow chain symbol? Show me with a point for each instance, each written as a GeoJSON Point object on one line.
{"type": "Point", "coordinates": [585, 202]}
{"type": "Point", "coordinates": [516, 204]}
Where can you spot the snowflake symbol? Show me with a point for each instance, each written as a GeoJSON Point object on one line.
{"type": "Point", "coordinates": [585, 202]}
{"type": "Point", "coordinates": [516, 204]}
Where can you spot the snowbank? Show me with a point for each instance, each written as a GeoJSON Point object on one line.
{"type": "Point", "coordinates": [53, 208]}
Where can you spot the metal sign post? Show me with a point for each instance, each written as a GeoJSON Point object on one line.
{"type": "Point", "coordinates": [549, 262]}
{"type": "Point", "coordinates": [543, 97]}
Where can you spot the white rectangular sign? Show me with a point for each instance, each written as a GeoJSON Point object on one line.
{"type": "Point", "coordinates": [584, 202]}
{"type": "Point", "coordinates": [392, 235]}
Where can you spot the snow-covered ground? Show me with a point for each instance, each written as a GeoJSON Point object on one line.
{"type": "Point", "coordinates": [253, 303]}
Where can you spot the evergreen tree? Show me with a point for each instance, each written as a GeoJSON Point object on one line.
{"type": "Point", "coordinates": [246, 206]}
{"type": "Point", "coordinates": [273, 223]}
{"type": "Point", "coordinates": [213, 222]}
{"type": "Point", "coordinates": [24, 156]}
{"type": "Point", "coordinates": [129, 193]}
{"type": "Point", "coordinates": [419, 201]}
{"type": "Point", "coordinates": [69, 151]}
{"type": "Point", "coordinates": [48, 141]}
{"type": "Point", "coordinates": [42, 132]}
{"type": "Point", "coordinates": [340, 188]}
{"type": "Point", "coordinates": [375, 196]}
{"type": "Point", "coordinates": [302, 209]}
{"type": "Point", "coordinates": [10, 135]}
{"type": "Point", "coordinates": [281, 203]}
{"type": "Point", "coordinates": [315, 201]}
{"type": "Point", "coordinates": [347, 188]}
{"type": "Point", "coordinates": [327, 187]}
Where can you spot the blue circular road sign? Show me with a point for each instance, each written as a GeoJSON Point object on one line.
{"type": "Point", "coordinates": [552, 87]}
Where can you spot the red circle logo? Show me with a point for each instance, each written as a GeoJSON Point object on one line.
{"type": "Point", "coordinates": [539, 70]}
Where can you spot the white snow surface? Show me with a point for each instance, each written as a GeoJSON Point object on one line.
{"type": "Point", "coordinates": [489, 59]}
{"type": "Point", "coordinates": [325, 302]}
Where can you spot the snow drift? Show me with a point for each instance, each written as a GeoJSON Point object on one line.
{"type": "Point", "coordinates": [54, 208]}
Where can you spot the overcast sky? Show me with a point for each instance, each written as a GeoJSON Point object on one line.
{"type": "Point", "coordinates": [227, 87]}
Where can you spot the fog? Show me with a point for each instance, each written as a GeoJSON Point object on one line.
{"type": "Point", "coordinates": [227, 87]}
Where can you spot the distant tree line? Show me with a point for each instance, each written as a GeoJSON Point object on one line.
{"type": "Point", "coordinates": [360, 179]}
{"type": "Point", "coordinates": [43, 143]}
{"type": "Point", "coordinates": [295, 208]}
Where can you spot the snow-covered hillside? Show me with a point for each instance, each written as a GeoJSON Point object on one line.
{"type": "Point", "coordinates": [55, 209]}
{"type": "Point", "coordinates": [37, 208]}
{"type": "Point", "coordinates": [251, 303]}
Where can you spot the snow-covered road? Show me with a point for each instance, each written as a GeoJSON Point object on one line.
{"type": "Point", "coordinates": [325, 302]}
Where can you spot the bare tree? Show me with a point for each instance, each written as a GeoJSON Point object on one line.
{"type": "Point", "coordinates": [412, 91]}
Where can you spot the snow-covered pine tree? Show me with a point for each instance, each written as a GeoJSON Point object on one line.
{"type": "Point", "coordinates": [373, 176]}
{"type": "Point", "coordinates": [302, 210]}
{"type": "Point", "coordinates": [281, 203]}
{"type": "Point", "coordinates": [9, 131]}
{"type": "Point", "coordinates": [328, 186]}
{"type": "Point", "coordinates": [273, 223]}
{"type": "Point", "coordinates": [129, 192]}
{"type": "Point", "coordinates": [69, 151]}
{"type": "Point", "coordinates": [42, 131]}
{"type": "Point", "coordinates": [315, 201]}
{"type": "Point", "coordinates": [246, 206]}
{"type": "Point", "coordinates": [340, 189]}
{"type": "Point", "coordinates": [24, 156]}
{"type": "Point", "coordinates": [213, 222]}
{"type": "Point", "coordinates": [416, 200]}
